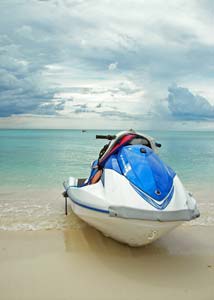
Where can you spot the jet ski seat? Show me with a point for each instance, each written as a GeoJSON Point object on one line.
{"type": "Point", "coordinates": [140, 141]}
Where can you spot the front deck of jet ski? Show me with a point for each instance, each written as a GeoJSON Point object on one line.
{"type": "Point", "coordinates": [126, 212]}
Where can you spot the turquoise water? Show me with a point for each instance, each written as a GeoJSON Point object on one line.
{"type": "Point", "coordinates": [36, 158]}
{"type": "Point", "coordinates": [34, 163]}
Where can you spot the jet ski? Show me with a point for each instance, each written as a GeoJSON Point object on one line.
{"type": "Point", "coordinates": [131, 195]}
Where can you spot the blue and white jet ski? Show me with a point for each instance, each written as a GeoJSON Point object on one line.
{"type": "Point", "coordinates": [131, 195]}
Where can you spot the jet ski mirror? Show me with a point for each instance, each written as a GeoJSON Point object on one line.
{"type": "Point", "coordinates": [106, 137]}
{"type": "Point", "coordinates": [158, 145]}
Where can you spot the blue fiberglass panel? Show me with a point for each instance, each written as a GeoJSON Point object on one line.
{"type": "Point", "coordinates": [94, 169]}
{"type": "Point", "coordinates": [146, 171]}
{"type": "Point", "coordinates": [112, 163]}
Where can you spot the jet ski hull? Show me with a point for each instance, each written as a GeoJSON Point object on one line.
{"type": "Point", "coordinates": [133, 232]}
{"type": "Point", "coordinates": [135, 226]}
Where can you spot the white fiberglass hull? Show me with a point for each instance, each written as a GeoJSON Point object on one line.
{"type": "Point", "coordinates": [129, 231]}
{"type": "Point", "coordinates": [118, 211]}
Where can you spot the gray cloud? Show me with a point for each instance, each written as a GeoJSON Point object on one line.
{"type": "Point", "coordinates": [51, 108]}
{"type": "Point", "coordinates": [57, 46]}
{"type": "Point", "coordinates": [82, 108]}
{"type": "Point", "coordinates": [185, 105]}
{"type": "Point", "coordinates": [118, 115]}
{"type": "Point", "coordinates": [22, 92]}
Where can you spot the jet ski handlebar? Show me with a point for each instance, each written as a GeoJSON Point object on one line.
{"type": "Point", "coordinates": [106, 137]}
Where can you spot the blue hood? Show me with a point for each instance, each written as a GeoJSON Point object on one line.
{"type": "Point", "coordinates": [146, 172]}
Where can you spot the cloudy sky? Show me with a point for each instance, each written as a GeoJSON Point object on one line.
{"type": "Point", "coordinates": [107, 64]}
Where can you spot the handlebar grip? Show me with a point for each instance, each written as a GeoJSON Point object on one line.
{"type": "Point", "coordinates": [106, 137]}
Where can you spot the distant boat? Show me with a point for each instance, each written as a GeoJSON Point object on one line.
{"type": "Point", "coordinates": [83, 130]}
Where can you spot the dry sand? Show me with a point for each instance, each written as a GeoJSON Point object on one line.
{"type": "Point", "coordinates": [83, 264]}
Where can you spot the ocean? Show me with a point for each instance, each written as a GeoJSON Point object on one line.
{"type": "Point", "coordinates": [34, 163]}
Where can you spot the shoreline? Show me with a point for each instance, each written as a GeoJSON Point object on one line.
{"type": "Point", "coordinates": [37, 209]}
{"type": "Point", "coordinates": [83, 264]}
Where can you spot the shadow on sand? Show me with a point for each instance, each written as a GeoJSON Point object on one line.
{"type": "Point", "coordinates": [170, 260]}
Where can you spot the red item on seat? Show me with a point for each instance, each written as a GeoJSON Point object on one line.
{"type": "Point", "coordinates": [123, 141]}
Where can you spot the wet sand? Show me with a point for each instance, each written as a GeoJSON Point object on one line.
{"type": "Point", "coordinates": [83, 264]}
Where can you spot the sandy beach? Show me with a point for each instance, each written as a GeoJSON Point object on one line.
{"type": "Point", "coordinates": [83, 264]}
{"type": "Point", "coordinates": [46, 255]}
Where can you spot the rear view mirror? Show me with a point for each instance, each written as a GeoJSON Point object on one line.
{"type": "Point", "coordinates": [157, 144]}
